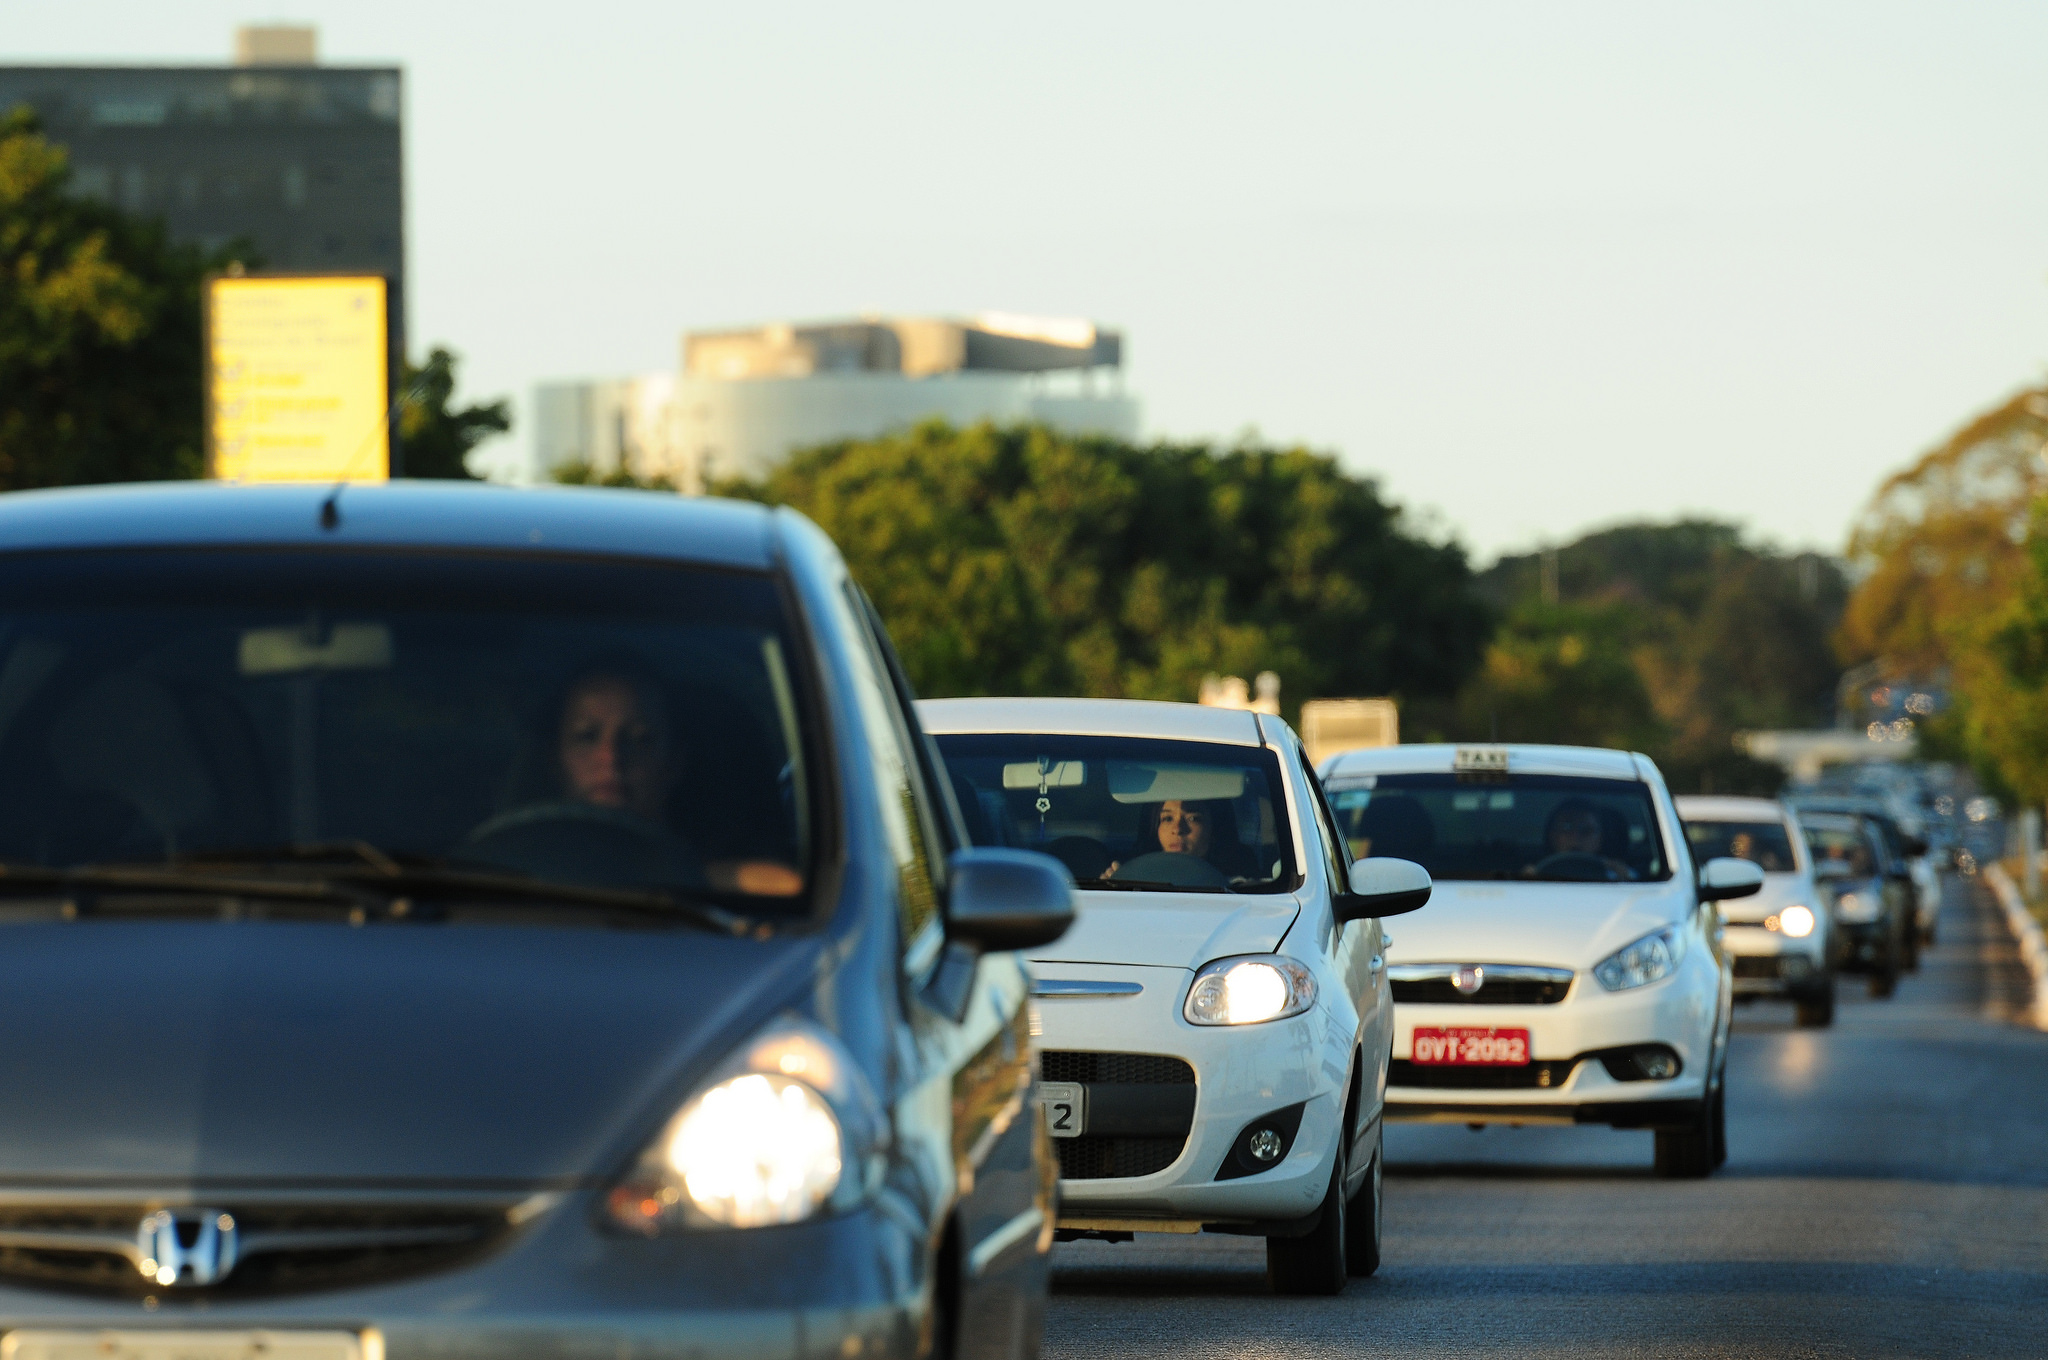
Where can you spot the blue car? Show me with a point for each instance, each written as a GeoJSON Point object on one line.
{"type": "Point", "coordinates": [453, 920]}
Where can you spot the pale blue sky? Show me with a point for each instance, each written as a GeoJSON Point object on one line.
{"type": "Point", "coordinates": [1536, 266]}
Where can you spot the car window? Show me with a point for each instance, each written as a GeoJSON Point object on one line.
{"type": "Point", "coordinates": [1506, 826]}
{"type": "Point", "coordinates": [600, 723]}
{"type": "Point", "coordinates": [1336, 862]}
{"type": "Point", "coordinates": [907, 812]}
{"type": "Point", "coordinates": [1768, 845]}
{"type": "Point", "coordinates": [1132, 812]}
{"type": "Point", "coordinates": [1840, 851]}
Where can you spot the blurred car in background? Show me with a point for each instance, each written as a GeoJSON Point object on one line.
{"type": "Point", "coordinates": [1217, 1023]}
{"type": "Point", "coordinates": [1904, 862]}
{"type": "Point", "coordinates": [451, 920]}
{"type": "Point", "coordinates": [1570, 969]}
{"type": "Point", "coordinates": [1871, 909]}
{"type": "Point", "coordinates": [1781, 941]}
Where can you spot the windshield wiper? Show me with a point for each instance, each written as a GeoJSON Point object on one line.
{"type": "Point", "coordinates": [1144, 885]}
{"type": "Point", "coordinates": [363, 876]}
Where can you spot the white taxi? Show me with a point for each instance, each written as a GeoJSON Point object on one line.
{"type": "Point", "coordinates": [1216, 1025]}
{"type": "Point", "coordinates": [1571, 968]}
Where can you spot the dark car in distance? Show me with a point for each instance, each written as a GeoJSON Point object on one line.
{"type": "Point", "coordinates": [443, 920]}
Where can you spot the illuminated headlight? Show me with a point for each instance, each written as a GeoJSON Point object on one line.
{"type": "Point", "coordinates": [1655, 956]}
{"type": "Point", "coordinates": [764, 1146]}
{"type": "Point", "coordinates": [1248, 991]}
{"type": "Point", "coordinates": [1796, 922]}
{"type": "Point", "coordinates": [1855, 906]}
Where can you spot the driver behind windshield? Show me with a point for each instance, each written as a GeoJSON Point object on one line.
{"type": "Point", "coordinates": [614, 744]}
{"type": "Point", "coordinates": [1574, 832]}
{"type": "Point", "coordinates": [1203, 829]}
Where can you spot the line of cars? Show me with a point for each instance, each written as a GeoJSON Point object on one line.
{"type": "Point", "coordinates": [456, 921]}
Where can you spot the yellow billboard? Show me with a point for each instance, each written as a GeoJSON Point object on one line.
{"type": "Point", "coordinates": [298, 371]}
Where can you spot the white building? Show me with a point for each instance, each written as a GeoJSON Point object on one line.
{"type": "Point", "coordinates": [746, 398]}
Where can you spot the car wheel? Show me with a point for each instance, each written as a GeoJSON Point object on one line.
{"type": "Point", "coordinates": [1687, 1152]}
{"type": "Point", "coordinates": [1362, 1216]}
{"type": "Point", "coordinates": [1314, 1263]}
{"type": "Point", "coordinates": [1911, 936]}
{"type": "Point", "coordinates": [1884, 979]}
{"type": "Point", "coordinates": [1721, 1123]}
{"type": "Point", "coordinates": [1816, 1009]}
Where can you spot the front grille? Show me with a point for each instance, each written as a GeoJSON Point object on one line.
{"type": "Point", "coordinates": [1755, 966]}
{"type": "Point", "coordinates": [283, 1248]}
{"type": "Point", "coordinates": [1094, 1157]}
{"type": "Point", "coordinates": [1495, 992]}
{"type": "Point", "coordinates": [1148, 1069]}
{"type": "Point", "coordinates": [1455, 1077]}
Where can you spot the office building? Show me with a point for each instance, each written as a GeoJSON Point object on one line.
{"type": "Point", "coordinates": [301, 160]}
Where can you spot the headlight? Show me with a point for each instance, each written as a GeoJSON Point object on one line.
{"type": "Point", "coordinates": [1796, 922]}
{"type": "Point", "coordinates": [1854, 906]}
{"type": "Point", "coordinates": [1654, 956]}
{"type": "Point", "coordinates": [1248, 991]}
{"type": "Point", "coordinates": [791, 1133]}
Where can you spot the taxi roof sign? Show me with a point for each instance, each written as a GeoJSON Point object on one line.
{"type": "Point", "coordinates": [1480, 760]}
{"type": "Point", "coordinates": [298, 378]}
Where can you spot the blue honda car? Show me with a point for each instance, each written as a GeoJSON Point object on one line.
{"type": "Point", "coordinates": [450, 920]}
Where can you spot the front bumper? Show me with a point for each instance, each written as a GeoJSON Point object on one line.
{"type": "Point", "coordinates": [851, 1285]}
{"type": "Point", "coordinates": [1242, 1074]}
{"type": "Point", "coordinates": [1767, 963]}
{"type": "Point", "coordinates": [1566, 1080]}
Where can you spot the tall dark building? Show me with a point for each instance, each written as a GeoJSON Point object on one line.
{"type": "Point", "coordinates": [302, 160]}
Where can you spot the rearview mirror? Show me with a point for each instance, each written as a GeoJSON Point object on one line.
{"type": "Point", "coordinates": [1728, 877]}
{"type": "Point", "coordinates": [1383, 887]}
{"type": "Point", "coordinates": [1008, 899]}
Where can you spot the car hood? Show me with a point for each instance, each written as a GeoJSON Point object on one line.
{"type": "Point", "coordinates": [1779, 892]}
{"type": "Point", "coordinates": [1561, 925]}
{"type": "Point", "coordinates": [1172, 930]}
{"type": "Point", "coordinates": [194, 1051]}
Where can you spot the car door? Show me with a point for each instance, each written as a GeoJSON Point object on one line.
{"type": "Point", "coordinates": [970, 1021]}
{"type": "Point", "coordinates": [1359, 955]}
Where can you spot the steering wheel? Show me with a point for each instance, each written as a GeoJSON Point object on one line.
{"type": "Point", "coordinates": [1576, 866]}
{"type": "Point", "coordinates": [583, 843]}
{"type": "Point", "coordinates": [1182, 871]}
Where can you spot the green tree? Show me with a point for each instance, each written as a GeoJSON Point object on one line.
{"type": "Point", "coordinates": [436, 440]}
{"type": "Point", "coordinates": [1025, 561]}
{"type": "Point", "coordinates": [99, 330]}
{"type": "Point", "coordinates": [1560, 673]}
{"type": "Point", "coordinates": [584, 474]}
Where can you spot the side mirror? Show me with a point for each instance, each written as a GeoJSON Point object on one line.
{"type": "Point", "coordinates": [1383, 887]}
{"type": "Point", "coordinates": [1008, 899]}
{"type": "Point", "coordinates": [1727, 877]}
{"type": "Point", "coordinates": [1915, 846]}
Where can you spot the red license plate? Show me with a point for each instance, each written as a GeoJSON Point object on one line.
{"type": "Point", "coordinates": [1471, 1046]}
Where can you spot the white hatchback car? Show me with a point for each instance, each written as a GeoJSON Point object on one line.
{"type": "Point", "coordinates": [1216, 1025]}
{"type": "Point", "coordinates": [1571, 970]}
{"type": "Point", "coordinates": [1780, 942]}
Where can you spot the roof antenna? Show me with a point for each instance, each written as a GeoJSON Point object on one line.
{"type": "Point", "coordinates": [330, 505]}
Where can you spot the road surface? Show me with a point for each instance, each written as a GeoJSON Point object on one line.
{"type": "Point", "coordinates": [1886, 1194]}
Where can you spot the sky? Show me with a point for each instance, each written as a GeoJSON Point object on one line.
{"type": "Point", "coordinates": [1536, 268]}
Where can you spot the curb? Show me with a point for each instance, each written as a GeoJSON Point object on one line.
{"type": "Point", "coordinates": [2026, 930]}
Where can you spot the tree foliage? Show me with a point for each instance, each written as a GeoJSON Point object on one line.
{"type": "Point", "coordinates": [99, 330]}
{"type": "Point", "coordinates": [1024, 561]}
{"type": "Point", "coordinates": [436, 439]}
{"type": "Point", "coordinates": [1663, 638]}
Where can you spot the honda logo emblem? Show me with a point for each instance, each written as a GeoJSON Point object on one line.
{"type": "Point", "coordinates": [1469, 978]}
{"type": "Point", "coordinates": [187, 1246]}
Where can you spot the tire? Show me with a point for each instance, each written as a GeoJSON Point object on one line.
{"type": "Point", "coordinates": [1721, 1124]}
{"type": "Point", "coordinates": [1315, 1263]}
{"type": "Point", "coordinates": [1884, 979]}
{"type": "Point", "coordinates": [1911, 938]}
{"type": "Point", "coordinates": [1687, 1152]}
{"type": "Point", "coordinates": [1816, 1009]}
{"type": "Point", "coordinates": [1363, 1216]}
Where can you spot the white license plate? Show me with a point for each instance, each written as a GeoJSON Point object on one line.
{"type": "Point", "coordinates": [1066, 1107]}
{"type": "Point", "coordinates": [171, 1344]}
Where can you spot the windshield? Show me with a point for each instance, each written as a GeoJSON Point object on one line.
{"type": "Point", "coordinates": [1765, 844]}
{"type": "Point", "coordinates": [1128, 812]}
{"type": "Point", "coordinates": [623, 725]}
{"type": "Point", "coordinates": [1840, 851]}
{"type": "Point", "coordinates": [1496, 826]}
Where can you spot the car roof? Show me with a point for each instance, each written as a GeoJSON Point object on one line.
{"type": "Point", "coordinates": [1831, 821]}
{"type": "Point", "coordinates": [1589, 761]}
{"type": "Point", "coordinates": [1700, 807]}
{"type": "Point", "coordinates": [411, 514]}
{"type": "Point", "coordinates": [1091, 717]}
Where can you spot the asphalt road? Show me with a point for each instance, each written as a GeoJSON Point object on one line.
{"type": "Point", "coordinates": [1886, 1194]}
